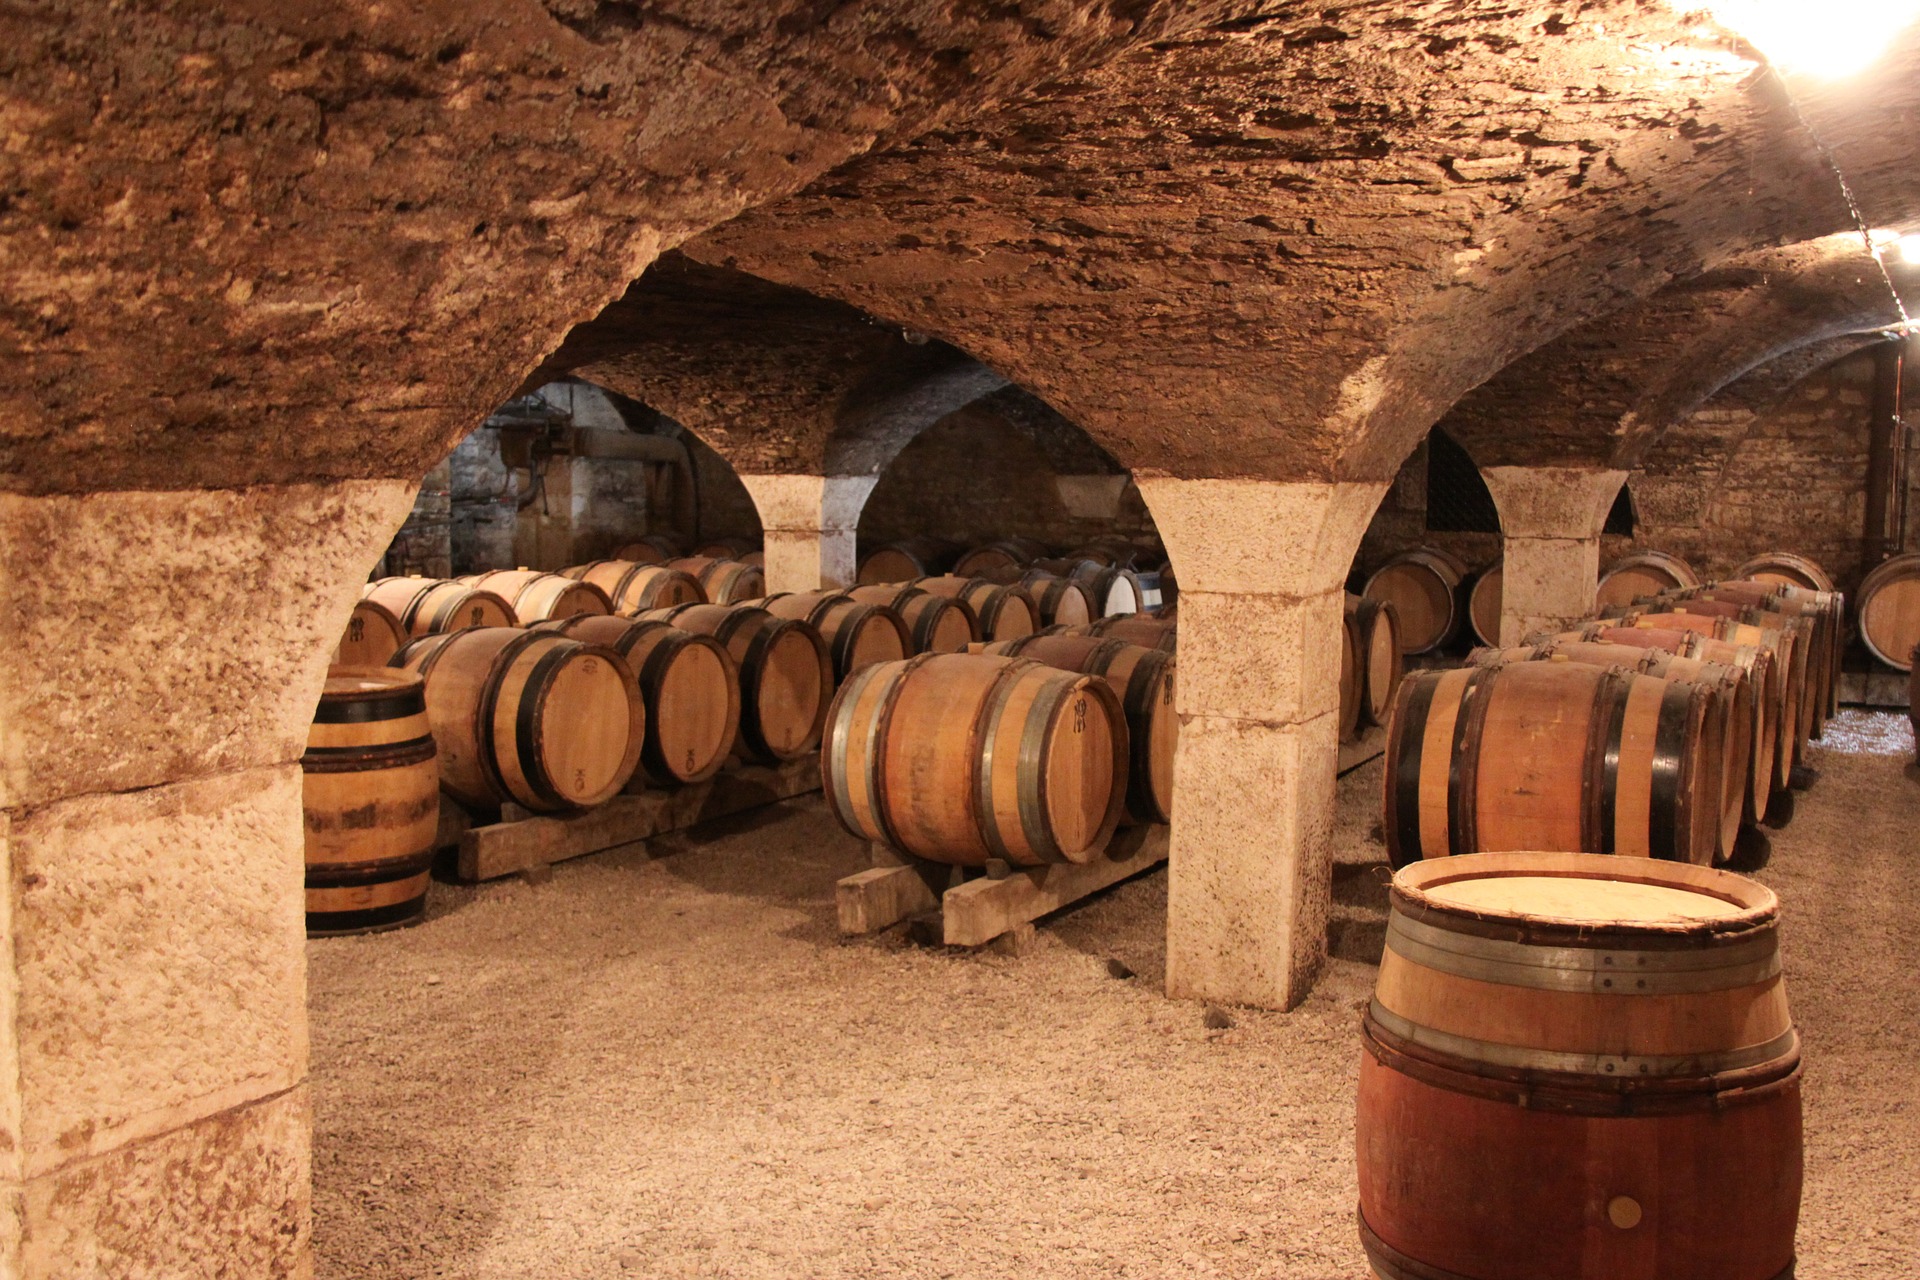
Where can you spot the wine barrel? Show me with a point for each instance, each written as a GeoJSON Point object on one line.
{"type": "Point", "coordinates": [1810, 642]}
{"type": "Point", "coordinates": [857, 635]}
{"type": "Point", "coordinates": [906, 560]}
{"type": "Point", "coordinates": [961, 758]}
{"type": "Point", "coordinates": [1764, 683]}
{"type": "Point", "coordinates": [1352, 679]}
{"type": "Point", "coordinates": [654, 548]}
{"type": "Point", "coordinates": [1423, 586]}
{"type": "Point", "coordinates": [1644, 574]}
{"type": "Point", "coordinates": [1729, 727]}
{"type": "Point", "coordinates": [1782, 568]}
{"type": "Point", "coordinates": [537, 596]}
{"type": "Point", "coordinates": [1117, 552]}
{"type": "Point", "coordinates": [725, 548]}
{"type": "Point", "coordinates": [1827, 608]}
{"type": "Point", "coordinates": [430, 606]}
{"type": "Point", "coordinates": [1008, 553]}
{"type": "Point", "coordinates": [688, 684]}
{"type": "Point", "coordinates": [372, 636]}
{"type": "Point", "coordinates": [1483, 604]}
{"type": "Point", "coordinates": [371, 793]}
{"type": "Point", "coordinates": [935, 624]}
{"type": "Point", "coordinates": [1527, 755]}
{"type": "Point", "coordinates": [1059, 601]}
{"type": "Point", "coordinates": [532, 717]}
{"type": "Point", "coordinates": [1143, 681]}
{"type": "Point", "coordinates": [1578, 1067]}
{"type": "Point", "coordinates": [1889, 605]}
{"type": "Point", "coordinates": [635, 588]}
{"type": "Point", "coordinates": [1002, 612]}
{"type": "Point", "coordinates": [786, 676]}
{"type": "Point", "coordinates": [1146, 630]}
{"type": "Point", "coordinates": [1377, 629]}
{"type": "Point", "coordinates": [724, 581]}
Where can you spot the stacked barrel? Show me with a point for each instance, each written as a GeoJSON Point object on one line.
{"type": "Point", "coordinates": [1659, 728]}
{"type": "Point", "coordinates": [1099, 579]}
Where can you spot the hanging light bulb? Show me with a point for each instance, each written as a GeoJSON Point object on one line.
{"type": "Point", "coordinates": [1828, 39]}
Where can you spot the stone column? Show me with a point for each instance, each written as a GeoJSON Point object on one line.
{"type": "Point", "coordinates": [809, 523]}
{"type": "Point", "coordinates": [164, 651]}
{"type": "Point", "coordinates": [1262, 571]}
{"type": "Point", "coordinates": [1550, 520]}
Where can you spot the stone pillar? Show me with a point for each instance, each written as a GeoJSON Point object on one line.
{"type": "Point", "coordinates": [1262, 570]}
{"type": "Point", "coordinates": [809, 523]}
{"type": "Point", "coordinates": [165, 651]}
{"type": "Point", "coordinates": [1550, 521]}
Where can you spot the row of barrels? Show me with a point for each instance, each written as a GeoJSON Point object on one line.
{"type": "Point", "coordinates": [1115, 575]}
{"type": "Point", "coordinates": [1439, 598]}
{"type": "Point", "coordinates": [1658, 730]}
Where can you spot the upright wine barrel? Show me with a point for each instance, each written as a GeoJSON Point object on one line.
{"type": "Point", "coordinates": [688, 684]}
{"type": "Point", "coordinates": [857, 635]}
{"type": "Point", "coordinates": [935, 624]}
{"type": "Point", "coordinates": [1889, 604]}
{"type": "Point", "coordinates": [726, 548]}
{"type": "Point", "coordinates": [724, 581]}
{"type": "Point", "coordinates": [998, 557]}
{"type": "Point", "coordinates": [1483, 604]}
{"type": "Point", "coordinates": [1763, 680]}
{"type": "Point", "coordinates": [371, 792]}
{"type": "Point", "coordinates": [961, 758]}
{"type": "Point", "coordinates": [904, 561]}
{"type": "Point", "coordinates": [654, 548]}
{"type": "Point", "coordinates": [1146, 630]}
{"type": "Point", "coordinates": [1644, 574]}
{"type": "Point", "coordinates": [372, 636]}
{"type": "Point", "coordinates": [1061, 602]}
{"type": "Point", "coordinates": [528, 716]}
{"type": "Point", "coordinates": [1377, 629]}
{"type": "Point", "coordinates": [634, 588]}
{"type": "Point", "coordinates": [537, 596]}
{"type": "Point", "coordinates": [1423, 586]}
{"type": "Point", "coordinates": [429, 606]}
{"type": "Point", "coordinates": [1783, 568]}
{"type": "Point", "coordinates": [1352, 679]}
{"type": "Point", "coordinates": [1003, 612]}
{"type": "Point", "coordinates": [1576, 1067]}
{"type": "Point", "coordinates": [786, 676]}
{"type": "Point", "coordinates": [1527, 755]}
{"type": "Point", "coordinates": [1730, 725]}
{"type": "Point", "coordinates": [1143, 681]}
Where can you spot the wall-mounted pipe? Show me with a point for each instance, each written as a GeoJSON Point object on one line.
{"type": "Point", "coordinates": [1883, 534]}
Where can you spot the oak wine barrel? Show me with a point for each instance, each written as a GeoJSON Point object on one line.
{"type": "Point", "coordinates": [786, 676]}
{"type": "Point", "coordinates": [1002, 611]}
{"type": "Point", "coordinates": [997, 557]}
{"type": "Point", "coordinates": [370, 790]}
{"type": "Point", "coordinates": [1377, 629]}
{"type": "Point", "coordinates": [635, 588]}
{"type": "Point", "coordinates": [1143, 681]}
{"type": "Point", "coordinates": [1149, 631]}
{"type": "Point", "coordinates": [1828, 609]}
{"type": "Point", "coordinates": [688, 684]}
{"type": "Point", "coordinates": [373, 635]}
{"type": "Point", "coordinates": [1643, 574]}
{"type": "Point", "coordinates": [935, 624]}
{"type": "Point", "coordinates": [1809, 642]}
{"type": "Point", "coordinates": [1118, 552]}
{"type": "Point", "coordinates": [1352, 679]}
{"type": "Point", "coordinates": [961, 758]}
{"type": "Point", "coordinates": [429, 606]}
{"type": "Point", "coordinates": [1483, 604]}
{"type": "Point", "coordinates": [537, 596]}
{"type": "Point", "coordinates": [857, 635]}
{"type": "Point", "coordinates": [528, 716]}
{"type": "Point", "coordinates": [1729, 726]}
{"type": "Point", "coordinates": [1528, 755]}
{"type": "Point", "coordinates": [726, 549]}
{"type": "Point", "coordinates": [1889, 608]}
{"type": "Point", "coordinates": [906, 560]}
{"type": "Point", "coordinates": [1578, 1067]}
{"type": "Point", "coordinates": [724, 581]}
{"type": "Point", "coordinates": [1783, 568]}
{"type": "Point", "coordinates": [1061, 602]}
{"type": "Point", "coordinates": [653, 548]}
{"type": "Point", "coordinates": [1423, 585]}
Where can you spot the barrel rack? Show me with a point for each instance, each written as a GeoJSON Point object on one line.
{"type": "Point", "coordinates": [521, 842]}
{"type": "Point", "coordinates": [971, 906]}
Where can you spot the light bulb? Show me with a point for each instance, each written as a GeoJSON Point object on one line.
{"type": "Point", "coordinates": [1829, 39]}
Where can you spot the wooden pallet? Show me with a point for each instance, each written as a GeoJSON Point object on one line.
{"type": "Point", "coordinates": [519, 841]}
{"type": "Point", "coordinates": [975, 910]}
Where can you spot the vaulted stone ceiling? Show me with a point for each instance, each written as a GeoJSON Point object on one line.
{"type": "Point", "coordinates": [1283, 245]}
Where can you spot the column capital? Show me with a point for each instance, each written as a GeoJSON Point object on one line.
{"type": "Point", "coordinates": [1261, 537]}
{"type": "Point", "coordinates": [809, 503]}
{"type": "Point", "coordinates": [1553, 502]}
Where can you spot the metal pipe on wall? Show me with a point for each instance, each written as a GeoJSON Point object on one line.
{"type": "Point", "coordinates": [1886, 457]}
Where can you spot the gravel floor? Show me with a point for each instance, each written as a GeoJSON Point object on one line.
{"type": "Point", "coordinates": [676, 1068]}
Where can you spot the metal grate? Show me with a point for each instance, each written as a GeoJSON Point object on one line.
{"type": "Point", "coordinates": [1458, 500]}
